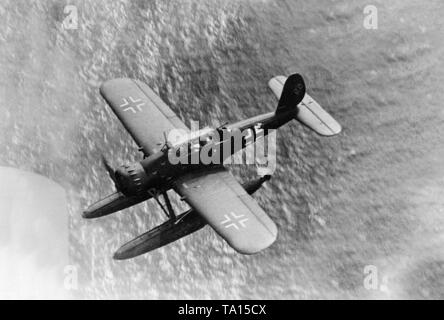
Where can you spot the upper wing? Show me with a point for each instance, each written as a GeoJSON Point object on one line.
{"type": "Point", "coordinates": [225, 205]}
{"type": "Point", "coordinates": [310, 112]}
{"type": "Point", "coordinates": [141, 111]}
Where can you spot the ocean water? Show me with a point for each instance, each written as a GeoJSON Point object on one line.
{"type": "Point", "coordinates": [371, 196]}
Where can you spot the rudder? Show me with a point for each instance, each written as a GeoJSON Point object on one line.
{"type": "Point", "coordinates": [293, 93]}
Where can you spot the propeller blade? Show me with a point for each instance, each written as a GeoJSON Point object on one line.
{"type": "Point", "coordinates": [110, 171]}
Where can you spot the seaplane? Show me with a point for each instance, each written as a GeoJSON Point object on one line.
{"type": "Point", "coordinates": [214, 195]}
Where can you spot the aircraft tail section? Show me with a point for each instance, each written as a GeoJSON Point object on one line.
{"type": "Point", "coordinates": [291, 92]}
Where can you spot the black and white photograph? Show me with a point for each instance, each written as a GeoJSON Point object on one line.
{"type": "Point", "coordinates": [221, 150]}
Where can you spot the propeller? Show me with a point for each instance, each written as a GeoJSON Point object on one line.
{"type": "Point", "coordinates": [111, 172]}
{"type": "Point", "coordinates": [166, 145]}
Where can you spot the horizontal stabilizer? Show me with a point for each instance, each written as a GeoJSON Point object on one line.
{"type": "Point", "coordinates": [313, 116]}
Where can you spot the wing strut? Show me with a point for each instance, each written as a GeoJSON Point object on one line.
{"type": "Point", "coordinates": [172, 215]}
{"type": "Point", "coordinates": [169, 211]}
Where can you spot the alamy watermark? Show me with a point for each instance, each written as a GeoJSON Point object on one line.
{"type": "Point", "coordinates": [71, 278]}
{"type": "Point", "coordinates": [371, 17]}
{"type": "Point", "coordinates": [229, 146]}
{"type": "Point", "coordinates": [71, 21]}
{"type": "Point", "coordinates": [373, 279]}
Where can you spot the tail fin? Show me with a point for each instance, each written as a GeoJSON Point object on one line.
{"type": "Point", "coordinates": [292, 93]}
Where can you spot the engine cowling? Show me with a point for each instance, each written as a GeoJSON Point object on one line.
{"type": "Point", "coordinates": [132, 179]}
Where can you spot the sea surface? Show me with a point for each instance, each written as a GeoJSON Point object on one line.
{"type": "Point", "coordinates": [368, 199]}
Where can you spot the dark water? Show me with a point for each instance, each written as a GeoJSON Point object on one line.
{"type": "Point", "coordinates": [371, 196]}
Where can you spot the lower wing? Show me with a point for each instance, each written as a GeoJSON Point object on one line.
{"type": "Point", "coordinates": [217, 196]}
